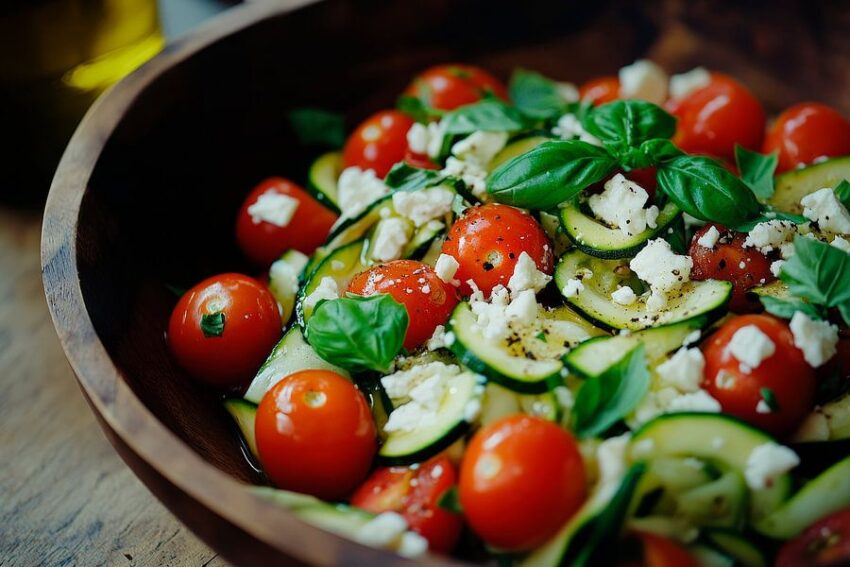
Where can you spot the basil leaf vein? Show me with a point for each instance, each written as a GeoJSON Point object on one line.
{"type": "Point", "coordinates": [358, 333]}
{"type": "Point", "coordinates": [626, 124]}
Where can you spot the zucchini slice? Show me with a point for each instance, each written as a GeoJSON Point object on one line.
{"type": "Point", "coordinates": [355, 228]}
{"type": "Point", "coordinates": [591, 358]}
{"type": "Point", "coordinates": [423, 238]}
{"type": "Point", "coordinates": [291, 354]}
{"type": "Point", "coordinates": [322, 179]}
{"type": "Point", "coordinates": [283, 280]}
{"type": "Point", "coordinates": [794, 185]}
{"type": "Point", "coordinates": [704, 299]}
{"type": "Point", "coordinates": [711, 437]}
{"type": "Point", "coordinates": [734, 545]}
{"type": "Point", "coordinates": [340, 265]}
{"type": "Point", "coordinates": [826, 493]}
{"type": "Point", "coordinates": [452, 420]}
{"type": "Point", "coordinates": [243, 413]}
{"type": "Point", "coordinates": [515, 148]}
{"type": "Point", "coordinates": [340, 519]}
{"type": "Point", "coordinates": [499, 402]}
{"type": "Point", "coordinates": [529, 360]}
{"type": "Point", "coordinates": [777, 289]}
{"type": "Point", "coordinates": [597, 239]}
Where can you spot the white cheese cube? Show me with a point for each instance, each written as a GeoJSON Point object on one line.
{"type": "Point", "coordinates": [527, 276]}
{"type": "Point", "coordinates": [621, 205]}
{"type": "Point", "coordinates": [446, 268]}
{"type": "Point", "coordinates": [817, 339]}
{"type": "Point", "coordinates": [273, 208]}
{"type": "Point", "coordinates": [683, 370]}
{"type": "Point", "coordinates": [327, 289]}
{"type": "Point", "coordinates": [624, 295]}
{"type": "Point", "coordinates": [824, 208]}
{"type": "Point", "coordinates": [357, 189]}
{"type": "Point", "coordinates": [660, 267]}
{"type": "Point", "coordinates": [480, 147]}
{"type": "Point", "coordinates": [700, 401]}
{"type": "Point", "coordinates": [766, 463]}
{"type": "Point", "coordinates": [683, 84]}
{"type": "Point", "coordinates": [390, 237]}
{"type": "Point", "coordinates": [750, 346]}
{"type": "Point", "coordinates": [644, 80]}
{"type": "Point", "coordinates": [572, 288]}
{"type": "Point", "coordinates": [710, 238]}
{"type": "Point", "coordinates": [423, 205]}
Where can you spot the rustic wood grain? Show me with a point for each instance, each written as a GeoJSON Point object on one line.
{"type": "Point", "coordinates": [65, 496]}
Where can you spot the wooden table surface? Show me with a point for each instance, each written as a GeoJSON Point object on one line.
{"type": "Point", "coordinates": [66, 498]}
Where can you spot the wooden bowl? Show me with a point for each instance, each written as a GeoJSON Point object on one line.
{"type": "Point", "coordinates": [146, 193]}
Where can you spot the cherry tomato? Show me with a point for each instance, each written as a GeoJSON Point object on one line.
{"type": "Point", "coordinates": [825, 543]}
{"type": "Point", "coordinates": [487, 242]}
{"type": "Point", "coordinates": [740, 389]}
{"type": "Point", "coordinates": [714, 118]}
{"type": "Point", "coordinates": [315, 434]}
{"type": "Point", "coordinates": [415, 493]}
{"type": "Point", "coordinates": [378, 143]}
{"type": "Point", "coordinates": [729, 261]}
{"type": "Point", "coordinates": [446, 87]}
{"type": "Point", "coordinates": [419, 160]}
{"type": "Point", "coordinates": [428, 299]}
{"type": "Point", "coordinates": [222, 329]}
{"type": "Point", "coordinates": [600, 90]}
{"type": "Point", "coordinates": [646, 177]}
{"type": "Point", "coordinates": [263, 241]}
{"type": "Point", "coordinates": [659, 551]}
{"type": "Point", "coordinates": [807, 132]}
{"type": "Point", "coordinates": [521, 478]}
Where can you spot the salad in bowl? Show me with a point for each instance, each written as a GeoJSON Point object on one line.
{"type": "Point", "coordinates": [549, 325]}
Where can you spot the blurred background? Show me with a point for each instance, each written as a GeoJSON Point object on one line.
{"type": "Point", "coordinates": [58, 57]}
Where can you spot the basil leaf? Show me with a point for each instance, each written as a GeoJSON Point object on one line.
{"type": "Point", "coordinates": [769, 215]}
{"type": "Point", "coordinates": [358, 333]}
{"type": "Point", "coordinates": [553, 172]}
{"type": "Point", "coordinates": [604, 400]}
{"type": "Point", "coordinates": [317, 127]}
{"type": "Point", "coordinates": [705, 189]}
{"type": "Point", "coordinates": [819, 273]}
{"type": "Point", "coordinates": [842, 192]}
{"type": "Point", "coordinates": [489, 115]}
{"type": "Point", "coordinates": [535, 96]}
{"type": "Point", "coordinates": [677, 237]}
{"type": "Point", "coordinates": [626, 124]}
{"type": "Point", "coordinates": [212, 324]}
{"type": "Point", "coordinates": [403, 177]}
{"type": "Point", "coordinates": [770, 399]}
{"type": "Point", "coordinates": [785, 308]}
{"type": "Point", "coordinates": [416, 109]}
{"type": "Point", "coordinates": [757, 170]}
{"type": "Point", "coordinates": [450, 500]}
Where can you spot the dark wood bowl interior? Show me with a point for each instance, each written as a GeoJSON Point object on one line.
{"type": "Point", "coordinates": [145, 197]}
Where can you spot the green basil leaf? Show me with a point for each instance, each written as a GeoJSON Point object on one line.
{"type": "Point", "coordinates": [626, 124]}
{"type": "Point", "coordinates": [535, 96]}
{"type": "Point", "coordinates": [604, 400]}
{"type": "Point", "coordinates": [677, 237]}
{"type": "Point", "coordinates": [450, 500]}
{"type": "Point", "coordinates": [842, 192]}
{"type": "Point", "coordinates": [819, 273]}
{"type": "Point", "coordinates": [757, 170]}
{"type": "Point", "coordinates": [212, 324]}
{"type": "Point", "coordinates": [785, 308]}
{"type": "Point", "coordinates": [489, 115]}
{"type": "Point", "coordinates": [317, 127]}
{"type": "Point", "coordinates": [403, 177]}
{"type": "Point", "coordinates": [769, 398]}
{"type": "Point", "coordinates": [553, 172]}
{"type": "Point", "coordinates": [358, 333]}
{"type": "Point", "coordinates": [417, 109]}
{"type": "Point", "coordinates": [705, 189]}
{"type": "Point", "coordinates": [769, 215]}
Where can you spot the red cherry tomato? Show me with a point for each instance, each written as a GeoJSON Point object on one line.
{"type": "Point", "coordinates": [645, 177]}
{"type": "Point", "coordinates": [446, 87]}
{"type": "Point", "coordinates": [521, 478]}
{"type": "Point", "coordinates": [428, 299]}
{"type": "Point", "coordinates": [785, 373]}
{"type": "Point", "coordinates": [714, 118]}
{"type": "Point", "coordinates": [659, 551]}
{"type": "Point", "coordinates": [487, 242]}
{"type": "Point", "coordinates": [807, 132]}
{"type": "Point", "coordinates": [600, 90]}
{"type": "Point", "coordinates": [728, 260]}
{"type": "Point", "coordinates": [263, 242]}
{"type": "Point", "coordinates": [378, 143]}
{"type": "Point", "coordinates": [251, 327]}
{"type": "Point", "coordinates": [415, 494]}
{"type": "Point", "coordinates": [419, 160]}
{"type": "Point", "coordinates": [315, 434]}
{"type": "Point", "coordinates": [825, 543]}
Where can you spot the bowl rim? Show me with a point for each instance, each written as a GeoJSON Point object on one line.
{"type": "Point", "coordinates": [118, 408]}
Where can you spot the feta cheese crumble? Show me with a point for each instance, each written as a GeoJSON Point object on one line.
{"type": "Point", "coordinates": [841, 243]}
{"type": "Point", "coordinates": [480, 147]}
{"type": "Point", "coordinates": [683, 84]}
{"type": "Point", "coordinates": [700, 401]}
{"type": "Point", "coordinates": [493, 318]}
{"type": "Point", "coordinates": [817, 339]}
{"type": "Point", "coordinates": [446, 268]}
{"type": "Point", "coordinates": [426, 139]}
{"type": "Point", "coordinates": [357, 189]}
{"type": "Point", "coordinates": [327, 289]}
{"type": "Point", "coordinates": [766, 463]}
{"type": "Point", "coordinates": [750, 346]}
{"type": "Point", "coordinates": [473, 175]}
{"type": "Point", "coordinates": [710, 238]}
{"type": "Point", "coordinates": [438, 339]}
{"type": "Point", "coordinates": [273, 208]}
{"type": "Point", "coordinates": [424, 387]}
{"type": "Point", "coordinates": [527, 276]}
{"type": "Point", "coordinates": [390, 238]}
{"type": "Point", "coordinates": [624, 295]}
{"type": "Point", "coordinates": [572, 288]}
{"type": "Point", "coordinates": [683, 370]}
{"type": "Point", "coordinates": [644, 80]}
{"type": "Point", "coordinates": [569, 127]}
{"type": "Point", "coordinates": [824, 208]}
{"type": "Point", "coordinates": [770, 235]}
{"type": "Point", "coordinates": [423, 205]}
{"type": "Point", "coordinates": [621, 205]}
{"type": "Point", "coordinates": [664, 270]}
